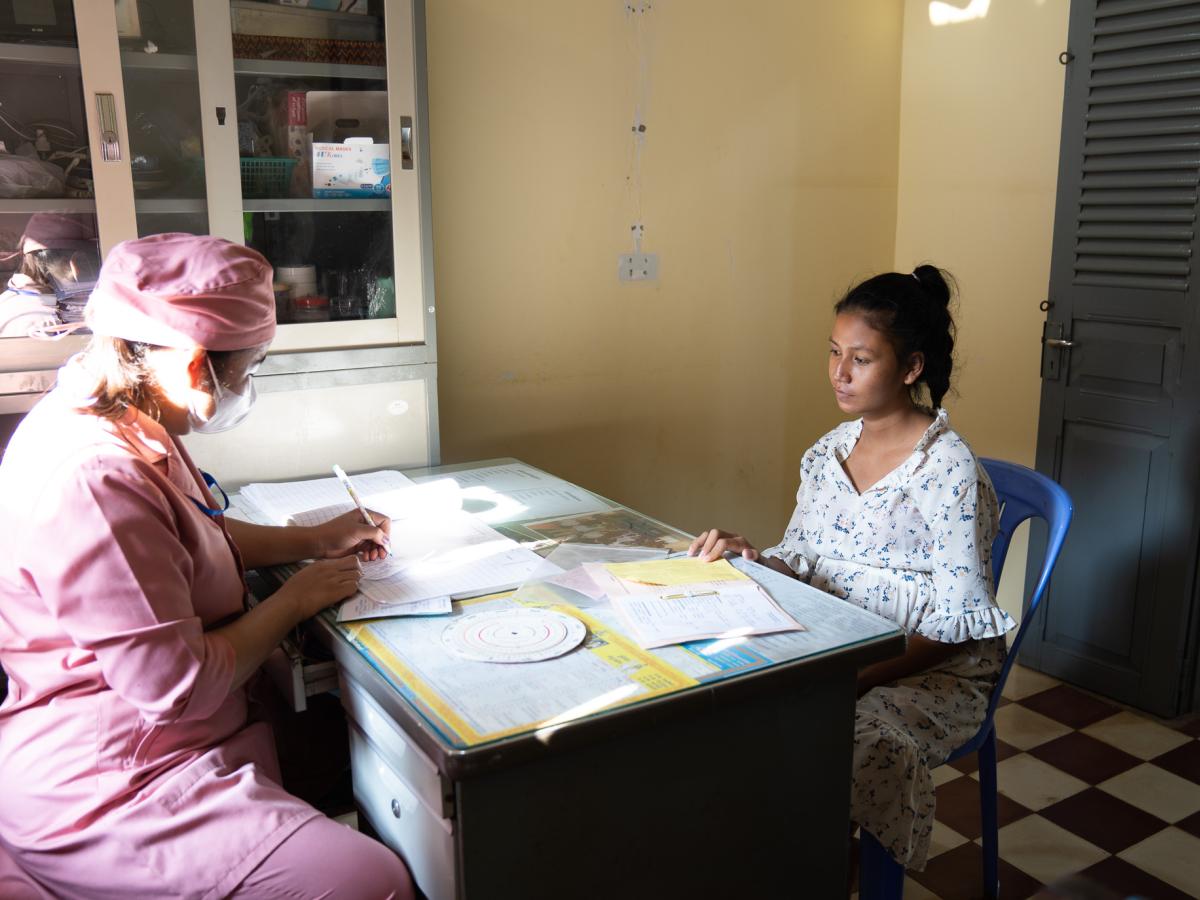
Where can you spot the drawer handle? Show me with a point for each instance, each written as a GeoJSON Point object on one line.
{"type": "Point", "coordinates": [397, 810]}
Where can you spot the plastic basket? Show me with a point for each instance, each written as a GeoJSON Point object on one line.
{"type": "Point", "coordinates": [266, 176]}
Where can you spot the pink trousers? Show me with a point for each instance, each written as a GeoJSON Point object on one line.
{"type": "Point", "coordinates": [325, 860]}
{"type": "Point", "coordinates": [322, 860]}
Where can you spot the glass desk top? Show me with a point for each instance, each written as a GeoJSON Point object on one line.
{"type": "Point", "coordinates": [468, 705]}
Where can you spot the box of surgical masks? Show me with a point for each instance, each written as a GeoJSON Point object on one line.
{"type": "Point", "coordinates": [356, 167]}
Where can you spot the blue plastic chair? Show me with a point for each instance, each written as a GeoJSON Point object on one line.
{"type": "Point", "coordinates": [1023, 494]}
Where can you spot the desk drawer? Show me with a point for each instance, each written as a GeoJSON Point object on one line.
{"type": "Point", "coordinates": [402, 821]}
{"type": "Point", "coordinates": [298, 678]}
{"type": "Point", "coordinates": [402, 756]}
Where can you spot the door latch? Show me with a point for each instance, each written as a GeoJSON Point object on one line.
{"type": "Point", "coordinates": [1053, 343]}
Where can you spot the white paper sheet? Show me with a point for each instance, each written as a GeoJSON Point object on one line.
{"type": "Point", "coordinates": [358, 607]}
{"type": "Point", "coordinates": [284, 500]}
{"type": "Point", "coordinates": [418, 501]}
{"type": "Point", "coordinates": [517, 491]}
{"type": "Point", "coordinates": [686, 613]}
{"type": "Point", "coordinates": [461, 573]}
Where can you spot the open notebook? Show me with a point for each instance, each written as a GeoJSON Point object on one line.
{"type": "Point", "coordinates": [438, 552]}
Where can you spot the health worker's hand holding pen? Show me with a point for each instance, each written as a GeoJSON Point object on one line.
{"type": "Point", "coordinates": [370, 528]}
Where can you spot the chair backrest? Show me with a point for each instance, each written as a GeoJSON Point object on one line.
{"type": "Point", "coordinates": [1023, 494]}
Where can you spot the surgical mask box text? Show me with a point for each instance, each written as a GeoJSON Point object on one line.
{"type": "Point", "coordinates": [351, 169]}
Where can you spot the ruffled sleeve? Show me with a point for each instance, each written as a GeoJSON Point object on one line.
{"type": "Point", "coordinates": [962, 514]}
{"type": "Point", "coordinates": [794, 548]}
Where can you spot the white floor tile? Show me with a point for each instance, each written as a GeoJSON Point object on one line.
{"type": "Point", "coordinates": [1023, 682]}
{"type": "Point", "coordinates": [1025, 729]}
{"type": "Point", "coordinates": [1045, 851]}
{"type": "Point", "coordinates": [1170, 855]}
{"type": "Point", "coordinates": [1157, 791]}
{"type": "Point", "coordinates": [1136, 734]}
{"type": "Point", "coordinates": [1033, 783]}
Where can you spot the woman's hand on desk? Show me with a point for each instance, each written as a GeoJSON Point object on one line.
{"type": "Point", "coordinates": [321, 584]}
{"type": "Point", "coordinates": [714, 544]}
{"type": "Point", "coordinates": [349, 534]}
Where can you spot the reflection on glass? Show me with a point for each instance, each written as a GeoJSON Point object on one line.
{"type": "Point", "coordinates": [48, 268]}
{"type": "Point", "coordinates": [313, 141]}
{"type": "Point", "coordinates": [328, 265]}
{"type": "Point", "coordinates": [348, 33]}
{"type": "Point", "coordinates": [43, 130]}
{"type": "Point", "coordinates": [48, 248]}
{"type": "Point", "coordinates": [162, 101]}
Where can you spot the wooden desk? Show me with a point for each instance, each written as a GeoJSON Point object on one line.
{"type": "Point", "coordinates": [724, 773]}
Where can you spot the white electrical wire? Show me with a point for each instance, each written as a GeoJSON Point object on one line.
{"type": "Point", "coordinates": [640, 49]}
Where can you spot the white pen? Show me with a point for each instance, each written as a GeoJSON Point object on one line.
{"type": "Point", "coordinates": [349, 486]}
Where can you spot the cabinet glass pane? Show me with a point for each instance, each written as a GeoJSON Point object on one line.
{"type": "Point", "coordinates": [45, 183]}
{"type": "Point", "coordinates": [313, 141]}
{"type": "Point", "coordinates": [162, 103]}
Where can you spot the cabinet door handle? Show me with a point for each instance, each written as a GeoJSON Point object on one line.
{"type": "Point", "coordinates": [110, 141]}
{"type": "Point", "coordinates": [1059, 342]}
{"type": "Point", "coordinates": [406, 142]}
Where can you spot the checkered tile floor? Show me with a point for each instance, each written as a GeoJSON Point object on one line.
{"type": "Point", "coordinates": [1087, 788]}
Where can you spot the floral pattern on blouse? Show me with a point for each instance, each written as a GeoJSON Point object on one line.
{"type": "Point", "coordinates": [916, 547]}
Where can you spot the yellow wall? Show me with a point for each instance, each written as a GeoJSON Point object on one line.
{"type": "Point", "coordinates": [980, 118]}
{"type": "Point", "coordinates": [791, 149]}
{"type": "Point", "coordinates": [768, 186]}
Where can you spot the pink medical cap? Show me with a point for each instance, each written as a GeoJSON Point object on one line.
{"type": "Point", "coordinates": [184, 290]}
{"type": "Point", "coordinates": [56, 231]}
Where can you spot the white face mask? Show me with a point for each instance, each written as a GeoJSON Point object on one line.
{"type": "Point", "coordinates": [231, 408]}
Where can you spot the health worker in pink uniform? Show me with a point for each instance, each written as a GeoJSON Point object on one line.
{"type": "Point", "coordinates": [130, 762]}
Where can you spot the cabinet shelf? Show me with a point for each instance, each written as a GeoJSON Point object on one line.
{"type": "Point", "coordinates": [170, 205]}
{"type": "Point", "coordinates": [40, 55]}
{"type": "Point", "coordinates": [284, 68]}
{"type": "Point", "coordinates": [159, 62]}
{"type": "Point", "coordinates": [304, 205]}
{"type": "Point", "coordinates": [58, 205]}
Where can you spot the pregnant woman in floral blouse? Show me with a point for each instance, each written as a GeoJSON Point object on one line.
{"type": "Point", "coordinates": [895, 514]}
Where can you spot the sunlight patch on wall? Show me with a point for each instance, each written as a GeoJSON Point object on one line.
{"type": "Point", "coordinates": [942, 13]}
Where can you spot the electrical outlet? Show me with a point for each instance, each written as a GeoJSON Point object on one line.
{"type": "Point", "coordinates": [638, 267]}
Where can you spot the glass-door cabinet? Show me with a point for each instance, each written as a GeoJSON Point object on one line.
{"type": "Point", "coordinates": [294, 126]}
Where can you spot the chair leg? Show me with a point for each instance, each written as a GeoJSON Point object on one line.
{"type": "Point", "coordinates": [987, 810]}
{"type": "Point", "coordinates": [879, 876]}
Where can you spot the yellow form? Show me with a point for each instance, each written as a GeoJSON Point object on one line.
{"type": "Point", "coordinates": [671, 572]}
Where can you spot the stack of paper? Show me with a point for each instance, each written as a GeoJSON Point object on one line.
{"type": "Point", "coordinates": [433, 558]}
{"type": "Point", "coordinates": [671, 601]}
{"type": "Point", "coordinates": [282, 501]}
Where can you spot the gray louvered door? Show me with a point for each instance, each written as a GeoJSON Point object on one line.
{"type": "Point", "coordinates": [1120, 418]}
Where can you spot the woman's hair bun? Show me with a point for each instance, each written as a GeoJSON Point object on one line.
{"type": "Point", "coordinates": [935, 282]}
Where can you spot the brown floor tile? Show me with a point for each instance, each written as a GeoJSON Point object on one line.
{"type": "Point", "coordinates": [1128, 880]}
{"type": "Point", "coordinates": [957, 806]}
{"type": "Point", "coordinates": [1107, 822]}
{"type": "Point", "coordinates": [1069, 706]}
{"type": "Point", "coordinates": [1183, 761]}
{"type": "Point", "coordinates": [958, 875]}
{"type": "Point", "coordinates": [970, 762]}
{"type": "Point", "coordinates": [1085, 757]}
{"type": "Point", "coordinates": [1192, 728]}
